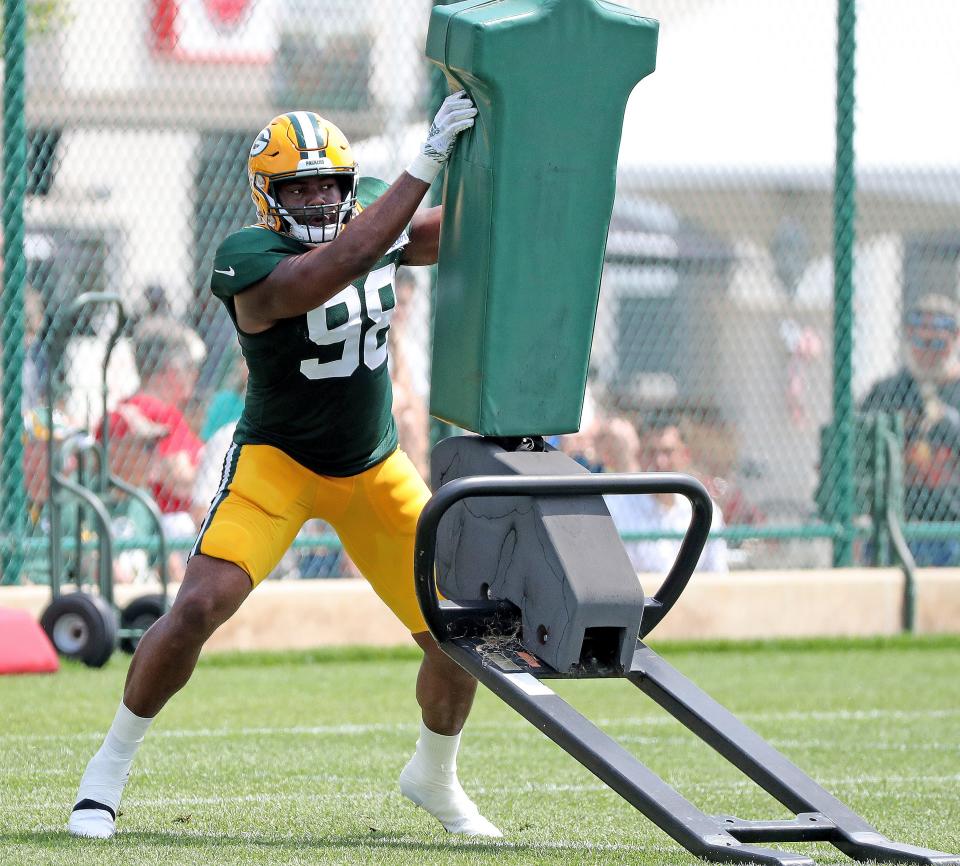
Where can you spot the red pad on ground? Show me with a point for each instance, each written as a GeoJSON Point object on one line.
{"type": "Point", "coordinates": [24, 646]}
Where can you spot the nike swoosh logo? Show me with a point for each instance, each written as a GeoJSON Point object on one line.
{"type": "Point", "coordinates": [229, 272]}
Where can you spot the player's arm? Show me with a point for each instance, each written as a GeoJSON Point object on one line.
{"type": "Point", "coordinates": [303, 282]}
{"type": "Point", "coordinates": [424, 245]}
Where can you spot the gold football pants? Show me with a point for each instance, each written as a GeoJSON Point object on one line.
{"type": "Point", "coordinates": [266, 496]}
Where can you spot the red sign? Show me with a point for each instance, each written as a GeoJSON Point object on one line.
{"type": "Point", "coordinates": [227, 13]}
{"type": "Point", "coordinates": [213, 31]}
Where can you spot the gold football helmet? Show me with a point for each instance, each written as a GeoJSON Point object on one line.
{"type": "Point", "coordinates": [301, 144]}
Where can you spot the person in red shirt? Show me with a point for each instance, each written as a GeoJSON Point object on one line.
{"type": "Point", "coordinates": [168, 374]}
{"type": "Point", "coordinates": [176, 454]}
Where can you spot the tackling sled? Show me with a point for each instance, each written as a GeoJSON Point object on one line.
{"type": "Point", "coordinates": [518, 539]}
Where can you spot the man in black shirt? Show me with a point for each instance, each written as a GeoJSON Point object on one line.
{"type": "Point", "coordinates": [926, 391]}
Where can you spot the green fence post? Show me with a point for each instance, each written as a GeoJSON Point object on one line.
{"type": "Point", "coordinates": [844, 237]}
{"type": "Point", "coordinates": [895, 500]}
{"type": "Point", "coordinates": [12, 493]}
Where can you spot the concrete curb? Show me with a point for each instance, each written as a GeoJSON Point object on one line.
{"type": "Point", "coordinates": [300, 614]}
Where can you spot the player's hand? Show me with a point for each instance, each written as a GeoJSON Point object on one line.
{"type": "Point", "coordinates": [455, 115]}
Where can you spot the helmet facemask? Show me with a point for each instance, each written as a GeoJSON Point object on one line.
{"type": "Point", "coordinates": [311, 224]}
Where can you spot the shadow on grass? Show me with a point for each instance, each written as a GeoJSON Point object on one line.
{"type": "Point", "coordinates": [374, 839]}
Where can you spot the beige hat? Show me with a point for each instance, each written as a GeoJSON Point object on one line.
{"type": "Point", "coordinates": [935, 304]}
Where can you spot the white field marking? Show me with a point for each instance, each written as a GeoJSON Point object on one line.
{"type": "Point", "coordinates": [261, 797]}
{"type": "Point", "coordinates": [265, 798]}
{"type": "Point", "coordinates": [370, 796]}
{"type": "Point", "coordinates": [406, 728]}
{"type": "Point", "coordinates": [812, 743]}
{"type": "Point", "coordinates": [358, 729]}
{"type": "Point", "coordinates": [186, 733]}
{"type": "Point", "coordinates": [803, 716]}
{"type": "Point", "coordinates": [377, 796]}
{"type": "Point", "coordinates": [870, 746]}
{"type": "Point", "coordinates": [719, 785]}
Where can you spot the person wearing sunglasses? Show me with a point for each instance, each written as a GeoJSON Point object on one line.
{"type": "Point", "coordinates": [925, 391]}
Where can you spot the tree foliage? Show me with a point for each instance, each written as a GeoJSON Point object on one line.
{"type": "Point", "coordinates": [43, 16]}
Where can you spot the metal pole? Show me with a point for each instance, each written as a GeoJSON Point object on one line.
{"type": "Point", "coordinates": [895, 521]}
{"type": "Point", "coordinates": [13, 498]}
{"type": "Point", "coordinates": [844, 237]}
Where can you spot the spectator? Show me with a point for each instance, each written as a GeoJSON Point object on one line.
{"type": "Point", "coordinates": [926, 392]}
{"type": "Point", "coordinates": [663, 450]}
{"type": "Point", "coordinates": [226, 404]}
{"type": "Point", "coordinates": [155, 311]}
{"type": "Point", "coordinates": [319, 560]}
{"type": "Point", "coordinates": [409, 405]}
{"type": "Point", "coordinates": [580, 446]}
{"type": "Point", "coordinates": [615, 444]}
{"type": "Point", "coordinates": [168, 373]}
{"type": "Point", "coordinates": [134, 443]}
{"type": "Point", "coordinates": [33, 377]}
{"type": "Point", "coordinates": [34, 361]}
{"type": "Point", "coordinates": [606, 443]}
{"type": "Point", "coordinates": [210, 470]}
{"type": "Point", "coordinates": [38, 427]}
{"type": "Point", "coordinates": [156, 302]}
{"type": "Point", "coordinates": [715, 452]}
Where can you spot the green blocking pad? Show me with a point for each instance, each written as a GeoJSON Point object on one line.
{"type": "Point", "coordinates": [527, 201]}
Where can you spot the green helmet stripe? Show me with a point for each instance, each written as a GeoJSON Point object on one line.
{"type": "Point", "coordinates": [298, 131]}
{"type": "Point", "coordinates": [321, 134]}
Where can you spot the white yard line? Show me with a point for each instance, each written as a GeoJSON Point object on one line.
{"type": "Point", "coordinates": [375, 795]}
{"type": "Point", "coordinates": [803, 716]}
{"type": "Point", "coordinates": [813, 743]}
{"type": "Point", "coordinates": [348, 729]}
{"type": "Point", "coordinates": [188, 733]}
{"type": "Point", "coordinates": [725, 785]}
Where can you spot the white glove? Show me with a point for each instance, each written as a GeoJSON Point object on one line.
{"type": "Point", "coordinates": [455, 115]}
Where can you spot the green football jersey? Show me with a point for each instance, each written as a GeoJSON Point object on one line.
{"type": "Point", "coordinates": [319, 388]}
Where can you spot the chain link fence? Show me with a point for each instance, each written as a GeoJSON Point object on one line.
{"type": "Point", "coordinates": [126, 128]}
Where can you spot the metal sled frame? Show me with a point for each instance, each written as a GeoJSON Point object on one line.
{"type": "Point", "coordinates": [463, 631]}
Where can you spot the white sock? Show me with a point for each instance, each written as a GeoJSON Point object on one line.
{"type": "Point", "coordinates": [430, 781]}
{"type": "Point", "coordinates": [107, 772]}
{"type": "Point", "coordinates": [436, 755]}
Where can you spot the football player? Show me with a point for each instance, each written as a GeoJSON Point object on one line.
{"type": "Point", "coordinates": [310, 291]}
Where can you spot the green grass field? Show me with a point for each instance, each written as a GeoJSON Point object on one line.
{"type": "Point", "coordinates": [293, 758]}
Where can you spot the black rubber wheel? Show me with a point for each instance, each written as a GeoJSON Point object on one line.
{"type": "Point", "coordinates": [81, 626]}
{"type": "Point", "coordinates": [141, 613]}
